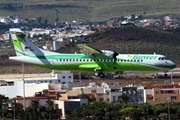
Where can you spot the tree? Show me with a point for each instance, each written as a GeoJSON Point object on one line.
{"type": "Point", "coordinates": [56, 15]}
{"type": "Point", "coordinates": [113, 110]}
{"type": "Point", "coordinates": [132, 17]}
{"type": "Point", "coordinates": [45, 21]}
{"type": "Point", "coordinates": [125, 98]}
{"type": "Point", "coordinates": [127, 111]}
{"type": "Point", "coordinates": [19, 112]}
{"type": "Point", "coordinates": [40, 20]}
{"type": "Point", "coordinates": [35, 104]}
{"type": "Point", "coordinates": [159, 108]}
{"type": "Point", "coordinates": [44, 115]}
{"type": "Point", "coordinates": [52, 112]}
{"type": "Point", "coordinates": [146, 108]}
{"type": "Point", "coordinates": [135, 114]}
{"type": "Point", "coordinates": [3, 101]}
{"type": "Point", "coordinates": [30, 113]}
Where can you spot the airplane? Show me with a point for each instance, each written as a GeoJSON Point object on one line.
{"type": "Point", "coordinates": [90, 60]}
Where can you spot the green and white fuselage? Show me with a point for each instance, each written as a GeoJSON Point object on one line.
{"type": "Point", "coordinates": [27, 52]}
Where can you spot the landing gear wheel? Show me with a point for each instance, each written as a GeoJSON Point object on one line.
{"type": "Point", "coordinates": [165, 75]}
{"type": "Point", "coordinates": [96, 74]}
{"type": "Point", "coordinates": [101, 75]}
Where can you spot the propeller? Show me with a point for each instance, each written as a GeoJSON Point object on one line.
{"type": "Point", "coordinates": [115, 58]}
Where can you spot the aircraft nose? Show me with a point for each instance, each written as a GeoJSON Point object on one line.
{"type": "Point", "coordinates": [172, 65]}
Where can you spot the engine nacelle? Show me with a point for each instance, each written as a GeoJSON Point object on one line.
{"type": "Point", "coordinates": [107, 52]}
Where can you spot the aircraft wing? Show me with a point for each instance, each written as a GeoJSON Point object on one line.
{"type": "Point", "coordinates": [87, 50]}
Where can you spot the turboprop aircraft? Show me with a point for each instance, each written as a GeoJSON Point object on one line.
{"type": "Point", "coordinates": [91, 59]}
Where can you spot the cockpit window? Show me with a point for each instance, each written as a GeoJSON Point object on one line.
{"type": "Point", "coordinates": [166, 58]}
{"type": "Point", "coordinates": [162, 58]}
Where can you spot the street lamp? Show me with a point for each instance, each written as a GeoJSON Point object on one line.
{"type": "Point", "coordinates": [169, 117]}
{"type": "Point", "coordinates": [14, 110]}
{"type": "Point", "coordinates": [147, 114]}
{"type": "Point", "coordinates": [105, 114]}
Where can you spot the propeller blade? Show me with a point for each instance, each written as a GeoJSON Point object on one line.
{"type": "Point", "coordinates": [115, 58]}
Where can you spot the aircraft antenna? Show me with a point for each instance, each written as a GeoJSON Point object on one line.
{"type": "Point", "coordinates": [154, 53]}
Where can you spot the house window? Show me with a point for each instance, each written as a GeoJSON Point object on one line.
{"type": "Point", "coordinates": [107, 93]}
{"type": "Point", "coordinates": [157, 99]}
{"type": "Point", "coordinates": [157, 92]}
{"type": "Point", "coordinates": [119, 98]}
{"type": "Point", "coordinates": [107, 100]}
{"type": "Point", "coordinates": [173, 98]}
{"type": "Point", "coordinates": [141, 92]}
{"type": "Point", "coordinates": [63, 77]}
{"type": "Point", "coordinates": [114, 98]}
{"type": "Point", "coordinates": [100, 99]}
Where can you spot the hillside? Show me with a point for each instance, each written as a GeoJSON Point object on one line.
{"type": "Point", "coordinates": [87, 10]}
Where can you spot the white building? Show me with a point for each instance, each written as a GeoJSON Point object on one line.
{"type": "Point", "coordinates": [5, 20]}
{"type": "Point", "coordinates": [14, 87]}
{"type": "Point", "coordinates": [38, 31]}
{"type": "Point", "coordinates": [69, 105]}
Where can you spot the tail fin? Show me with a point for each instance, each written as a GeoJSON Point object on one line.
{"type": "Point", "coordinates": [17, 37]}
{"type": "Point", "coordinates": [23, 46]}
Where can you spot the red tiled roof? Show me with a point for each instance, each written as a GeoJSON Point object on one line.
{"type": "Point", "coordinates": [29, 98]}
{"type": "Point", "coordinates": [164, 86]}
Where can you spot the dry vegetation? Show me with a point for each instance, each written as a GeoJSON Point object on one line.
{"type": "Point", "coordinates": [87, 10]}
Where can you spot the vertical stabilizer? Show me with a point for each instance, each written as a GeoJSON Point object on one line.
{"type": "Point", "coordinates": [23, 46]}
{"type": "Point", "coordinates": [17, 36]}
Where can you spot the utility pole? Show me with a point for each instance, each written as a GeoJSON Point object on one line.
{"type": "Point", "coordinates": [24, 99]}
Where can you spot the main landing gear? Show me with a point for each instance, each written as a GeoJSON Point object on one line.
{"type": "Point", "coordinates": [165, 75]}
{"type": "Point", "coordinates": [99, 74]}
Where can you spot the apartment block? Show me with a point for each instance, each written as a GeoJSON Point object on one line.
{"type": "Point", "coordinates": [162, 94]}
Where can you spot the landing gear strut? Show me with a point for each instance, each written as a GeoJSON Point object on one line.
{"type": "Point", "coordinates": [99, 74]}
{"type": "Point", "coordinates": [165, 75]}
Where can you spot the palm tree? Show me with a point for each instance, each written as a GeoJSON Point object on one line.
{"type": "Point", "coordinates": [3, 100]}
{"type": "Point", "coordinates": [35, 104]}
{"type": "Point", "coordinates": [125, 98]}
{"type": "Point", "coordinates": [52, 112]}
{"type": "Point", "coordinates": [18, 110]}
